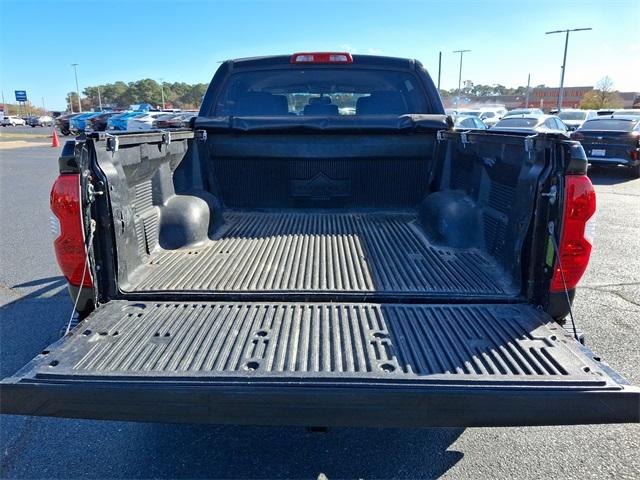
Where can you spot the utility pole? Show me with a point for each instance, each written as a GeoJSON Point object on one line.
{"type": "Point", "coordinates": [43, 107]}
{"type": "Point", "coordinates": [162, 91]}
{"type": "Point", "coordinates": [526, 101]}
{"type": "Point", "coordinates": [564, 59]}
{"type": "Point", "coordinates": [439, 69]}
{"type": "Point", "coordinates": [99, 98]}
{"type": "Point", "coordinates": [461, 52]}
{"type": "Point", "coordinates": [75, 70]}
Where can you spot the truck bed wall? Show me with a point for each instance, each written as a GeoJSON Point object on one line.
{"type": "Point", "coordinates": [465, 196]}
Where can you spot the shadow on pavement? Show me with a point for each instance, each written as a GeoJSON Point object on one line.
{"type": "Point", "coordinates": [32, 321]}
{"type": "Point", "coordinates": [610, 175]}
{"type": "Point", "coordinates": [89, 449]}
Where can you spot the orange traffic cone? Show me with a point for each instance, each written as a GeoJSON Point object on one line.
{"type": "Point", "coordinates": [55, 142]}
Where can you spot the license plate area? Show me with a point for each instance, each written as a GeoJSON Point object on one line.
{"type": "Point", "coordinates": [598, 152]}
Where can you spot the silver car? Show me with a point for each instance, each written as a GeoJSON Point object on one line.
{"type": "Point", "coordinates": [532, 123]}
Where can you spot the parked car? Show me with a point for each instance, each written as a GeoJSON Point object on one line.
{"type": "Point", "coordinates": [612, 141]}
{"type": "Point", "coordinates": [491, 117]}
{"type": "Point", "coordinates": [375, 269]}
{"type": "Point", "coordinates": [98, 123]}
{"type": "Point", "coordinates": [161, 121]}
{"type": "Point", "coordinates": [12, 121]}
{"type": "Point", "coordinates": [178, 120]}
{"type": "Point", "coordinates": [469, 111]}
{"type": "Point", "coordinates": [64, 123]}
{"type": "Point", "coordinates": [121, 121]}
{"type": "Point", "coordinates": [79, 122]}
{"type": "Point", "coordinates": [532, 123]}
{"type": "Point", "coordinates": [523, 111]}
{"type": "Point", "coordinates": [628, 111]}
{"type": "Point", "coordinates": [42, 121]}
{"type": "Point", "coordinates": [574, 118]}
{"type": "Point", "coordinates": [143, 122]}
{"type": "Point", "coordinates": [468, 122]}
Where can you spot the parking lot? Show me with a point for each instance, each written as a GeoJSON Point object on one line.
{"type": "Point", "coordinates": [35, 307]}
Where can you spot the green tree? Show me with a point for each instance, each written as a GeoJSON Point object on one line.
{"type": "Point", "coordinates": [72, 103]}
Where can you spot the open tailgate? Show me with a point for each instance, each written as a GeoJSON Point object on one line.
{"type": "Point", "coordinates": [321, 364]}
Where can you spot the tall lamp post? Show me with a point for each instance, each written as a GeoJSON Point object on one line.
{"type": "Point", "coordinates": [461, 52]}
{"type": "Point", "coordinates": [564, 59]}
{"type": "Point", "coordinates": [75, 71]}
{"type": "Point", "coordinates": [162, 91]}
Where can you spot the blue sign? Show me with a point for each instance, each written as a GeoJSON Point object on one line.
{"type": "Point", "coordinates": [21, 95]}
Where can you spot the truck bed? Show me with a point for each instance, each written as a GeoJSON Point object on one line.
{"type": "Point", "coordinates": [293, 251]}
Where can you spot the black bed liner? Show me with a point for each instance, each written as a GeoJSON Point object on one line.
{"type": "Point", "coordinates": [382, 252]}
{"type": "Point", "coordinates": [321, 364]}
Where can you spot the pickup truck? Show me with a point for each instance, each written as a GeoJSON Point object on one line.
{"type": "Point", "coordinates": [321, 248]}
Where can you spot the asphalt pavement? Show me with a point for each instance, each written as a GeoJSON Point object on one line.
{"type": "Point", "coordinates": [34, 307]}
{"type": "Point", "coordinates": [26, 132]}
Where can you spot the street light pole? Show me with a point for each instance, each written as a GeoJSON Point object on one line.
{"type": "Point", "coordinates": [564, 59]}
{"type": "Point", "coordinates": [439, 69]}
{"type": "Point", "coordinates": [461, 52]}
{"type": "Point", "coordinates": [75, 70]}
{"type": "Point", "coordinates": [99, 99]}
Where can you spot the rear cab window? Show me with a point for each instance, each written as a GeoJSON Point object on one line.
{"type": "Point", "coordinates": [612, 124]}
{"type": "Point", "coordinates": [324, 91]}
{"type": "Point", "coordinates": [517, 122]}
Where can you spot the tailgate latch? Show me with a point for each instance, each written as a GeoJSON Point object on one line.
{"type": "Point", "coordinates": [529, 144]}
{"type": "Point", "coordinates": [113, 142]}
{"type": "Point", "coordinates": [464, 138]}
{"type": "Point", "coordinates": [201, 135]}
{"type": "Point", "coordinates": [552, 194]}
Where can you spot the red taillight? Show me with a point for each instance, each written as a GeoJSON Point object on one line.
{"type": "Point", "coordinates": [633, 154]}
{"type": "Point", "coordinates": [575, 240]}
{"type": "Point", "coordinates": [69, 244]}
{"type": "Point", "coordinates": [322, 57]}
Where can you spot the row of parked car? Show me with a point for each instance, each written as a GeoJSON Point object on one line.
{"type": "Point", "coordinates": [609, 137]}
{"type": "Point", "coordinates": [75, 123]}
{"type": "Point", "coordinates": [32, 121]}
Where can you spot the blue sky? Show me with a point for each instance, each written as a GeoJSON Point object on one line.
{"type": "Point", "coordinates": [183, 40]}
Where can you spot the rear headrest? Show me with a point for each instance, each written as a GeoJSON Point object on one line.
{"type": "Point", "coordinates": [320, 100]}
{"type": "Point", "coordinates": [261, 103]}
{"type": "Point", "coordinates": [320, 109]}
{"type": "Point", "coordinates": [381, 103]}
